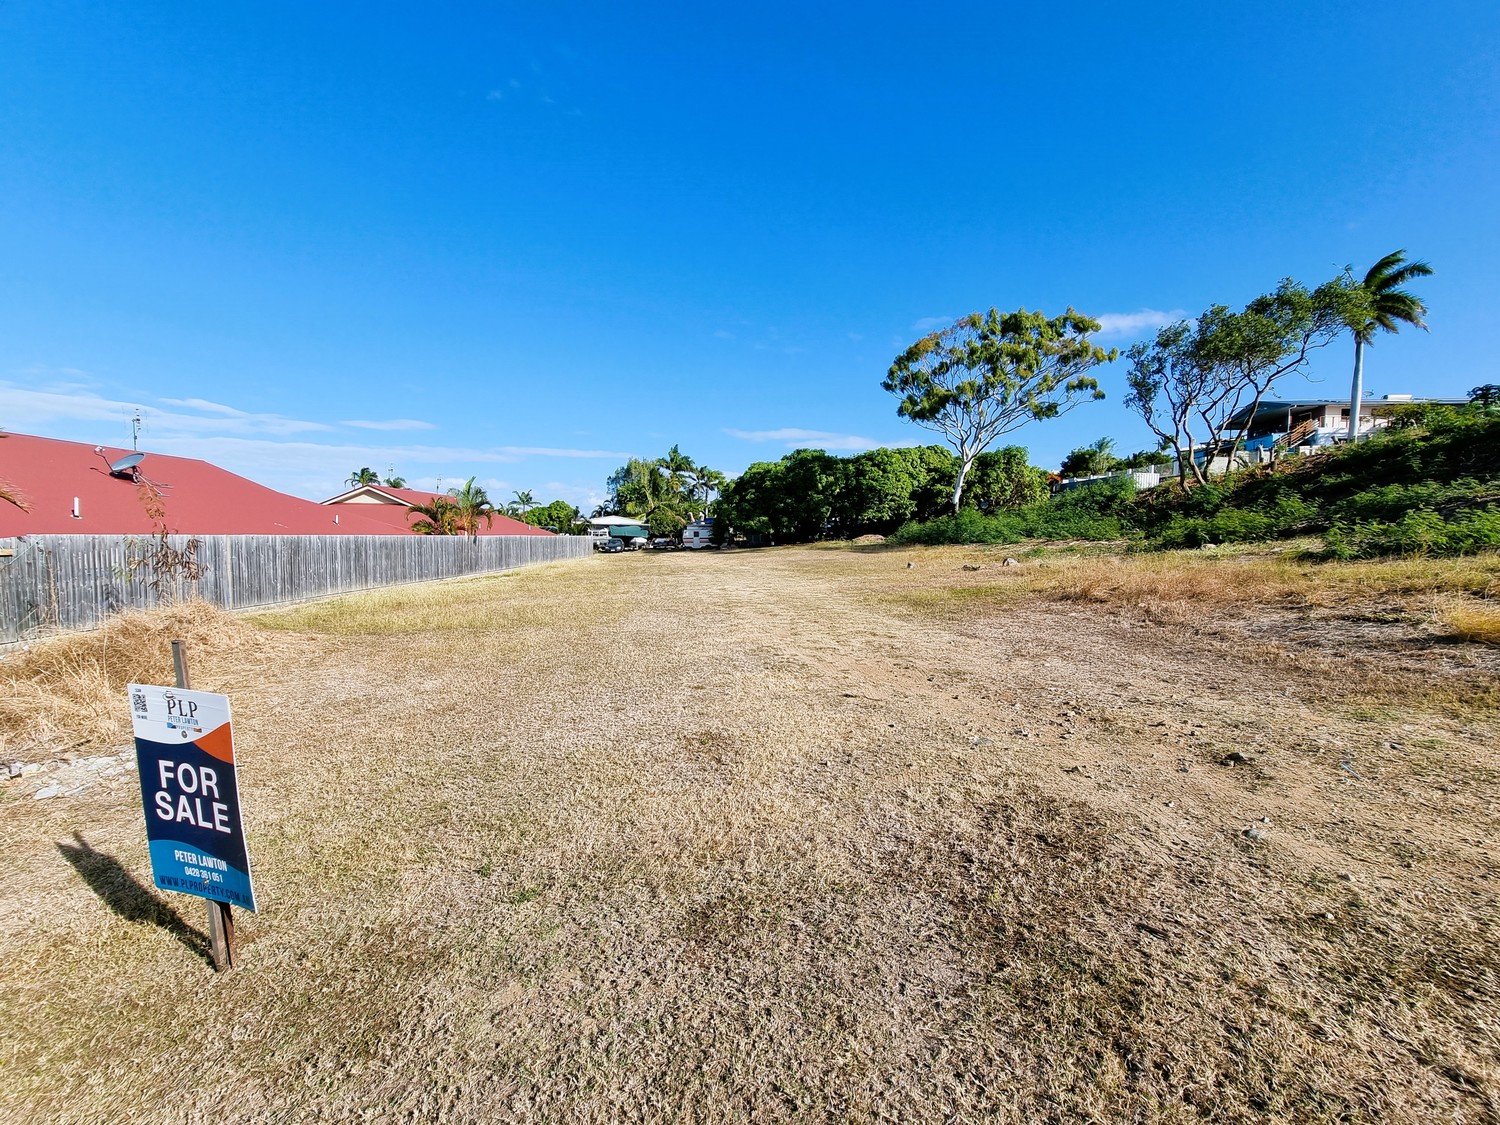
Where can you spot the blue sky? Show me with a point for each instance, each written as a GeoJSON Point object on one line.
{"type": "Point", "coordinates": [518, 243]}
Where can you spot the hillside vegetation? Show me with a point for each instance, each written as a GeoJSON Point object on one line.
{"type": "Point", "coordinates": [1428, 485]}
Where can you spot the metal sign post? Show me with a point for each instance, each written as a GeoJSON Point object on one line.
{"type": "Point", "coordinates": [185, 756]}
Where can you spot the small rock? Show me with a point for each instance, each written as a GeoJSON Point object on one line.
{"type": "Point", "coordinates": [911, 566]}
{"type": "Point", "coordinates": [1346, 877]}
{"type": "Point", "coordinates": [970, 566]}
{"type": "Point", "coordinates": [981, 741]}
{"type": "Point", "coordinates": [1265, 820]}
{"type": "Point", "coordinates": [1235, 758]}
{"type": "Point", "coordinates": [1010, 562]}
{"type": "Point", "coordinates": [1256, 834]}
{"type": "Point", "coordinates": [47, 791]}
{"type": "Point", "coordinates": [13, 769]}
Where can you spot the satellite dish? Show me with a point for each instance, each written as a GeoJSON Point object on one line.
{"type": "Point", "coordinates": [123, 466]}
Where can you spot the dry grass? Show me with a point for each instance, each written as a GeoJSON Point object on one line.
{"type": "Point", "coordinates": [1477, 621]}
{"type": "Point", "coordinates": [754, 836]}
{"type": "Point", "coordinates": [65, 692]}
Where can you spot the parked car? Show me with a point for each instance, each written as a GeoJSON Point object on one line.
{"type": "Point", "coordinates": [612, 546]}
{"type": "Point", "coordinates": [663, 544]}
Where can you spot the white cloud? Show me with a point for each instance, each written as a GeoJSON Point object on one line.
{"type": "Point", "coordinates": [224, 419]}
{"type": "Point", "coordinates": [1136, 323]}
{"type": "Point", "coordinates": [928, 323]}
{"type": "Point", "coordinates": [392, 424]}
{"type": "Point", "coordinates": [253, 445]}
{"type": "Point", "coordinates": [794, 438]}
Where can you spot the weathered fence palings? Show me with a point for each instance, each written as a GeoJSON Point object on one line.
{"type": "Point", "coordinates": [76, 581]}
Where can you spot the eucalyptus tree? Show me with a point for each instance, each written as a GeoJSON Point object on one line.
{"type": "Point", "coordinates": [990, 373]}
{"type": "Point", "coordinates": [1387, 308]}
{"type": "Point", "coordinates": [1188, 382]}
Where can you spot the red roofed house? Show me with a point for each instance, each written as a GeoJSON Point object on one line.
{"type": "Point", "coordinates": [71, 487]}
{"type": "Point", "coordinates": [390, 507]}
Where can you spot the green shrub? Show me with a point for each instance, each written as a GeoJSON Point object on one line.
{"type": "Point", "coordinates": [1422, 532]}
{"type": "Point", "coordinates": [1090, 512]}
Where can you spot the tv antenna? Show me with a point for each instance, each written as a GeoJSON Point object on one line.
{"type": "Point", "coordinates": [135, 430]}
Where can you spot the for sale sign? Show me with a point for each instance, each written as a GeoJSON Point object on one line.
{"type": "Point", "coordinates": [185, 753]}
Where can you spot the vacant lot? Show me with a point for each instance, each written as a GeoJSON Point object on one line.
{"type": "Point", "coordinates": [789, 835]}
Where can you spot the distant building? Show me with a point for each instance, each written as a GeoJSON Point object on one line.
{"type": "Point", "coordinates": [72, 488]}
{"type": "Point", "coordinates": [390, 507]}
{"type": "Point", "coordinates": [1273, 428]}
{"type": "Point", "coordinates": [1279, 425]}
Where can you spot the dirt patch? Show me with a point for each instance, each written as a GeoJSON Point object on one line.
{"type": "Point", "coordinates": [796, 835]}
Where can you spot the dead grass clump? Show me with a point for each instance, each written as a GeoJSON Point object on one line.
{"type": "Point", "coordinates": [1140, 580]}
{"type": "Point", "coordinates": [69, 691]}
{"type": "Point", "coordinates": [1470, 620]}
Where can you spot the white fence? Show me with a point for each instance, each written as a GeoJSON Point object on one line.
{"type": "Point", "coordinates": [76, 581]}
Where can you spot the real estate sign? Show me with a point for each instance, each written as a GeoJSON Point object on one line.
{"type": "Point", "coordinates": [185, 752]}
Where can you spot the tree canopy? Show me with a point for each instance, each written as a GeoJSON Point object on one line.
{"type": "Point", "coordinates": [558, 516]}
{"type": "Point", "coordinates": [990, 373]}
{"type": "Point", "coordinates": [810, 494]}
{"type": "Point", "coordinates": [1195, 375]}
{"type": "Point", "coordinates": [664, 493]}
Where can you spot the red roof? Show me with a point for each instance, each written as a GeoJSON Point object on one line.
{"type": "Point", "coordinates": [192, 497]}
{"type": "Point", "coordinates": [394, 515]}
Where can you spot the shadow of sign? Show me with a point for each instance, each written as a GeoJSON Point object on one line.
{"type": "Point", "coordinates": [127, 897]}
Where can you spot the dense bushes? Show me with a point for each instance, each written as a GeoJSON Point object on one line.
{"type": "Point", "coordinates": [1428, 486]}
{"type": "Point", "coordinates": [1420, 532]}
{"type": "Point", "coordinates": [1090, 512]}
{"type": "Point", "coordinates": [810, 494]}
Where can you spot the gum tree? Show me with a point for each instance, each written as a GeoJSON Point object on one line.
{"type": "Point", "coordinates": [1195, 375]}
{"type": "Point", "coordinates": [990, 373]}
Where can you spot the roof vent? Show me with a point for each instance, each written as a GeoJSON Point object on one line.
{"type": "Point", "coordinates": [1397, 398]}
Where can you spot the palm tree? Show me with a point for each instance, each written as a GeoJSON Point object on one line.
{"type": "Point", "coordinates": [439, 516]}
{"type": "Point", "coordinates": [363, 476]}
{"type": "Point", "coordinates": [472, 504]}
{"type": "Point", "coordinates": [1390, 306]}
{"type": "Point", "coordinates": [705, 480]}
{"type": "Point", "coordinates": [524, 501]}
{"type": "Point", "coordinates": [677, 465]}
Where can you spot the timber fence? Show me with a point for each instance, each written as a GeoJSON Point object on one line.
{"type": "Point", "coordinates": [62, 582]}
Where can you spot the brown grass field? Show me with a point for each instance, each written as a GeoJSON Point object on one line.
{"type": "Point", "coordinates": [805, 834]}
